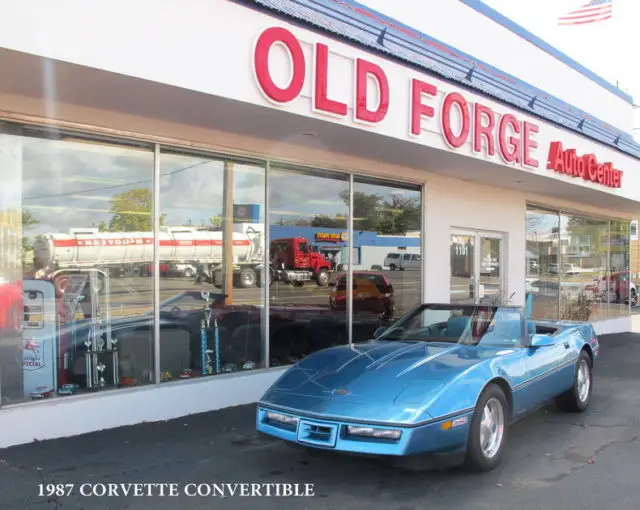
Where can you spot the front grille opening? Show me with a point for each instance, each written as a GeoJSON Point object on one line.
{"type": "Point", "coordinates": [319, 433]}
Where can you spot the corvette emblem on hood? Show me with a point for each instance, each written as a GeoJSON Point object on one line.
{"type": "Point", "coordinates": [340, 391]}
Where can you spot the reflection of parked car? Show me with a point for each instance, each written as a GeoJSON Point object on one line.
{"type": "Point", "coordinates": [182, 269]}
{"type": "Point", "coordinates": [372, 292]}
{"type": "Point", "coordinates": [616, 288]}
{"type": "Point", "coordinates": [392, 261]}
{"type": "Point", "coordinates": [403, 261]}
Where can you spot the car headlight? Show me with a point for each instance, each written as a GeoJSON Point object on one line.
{"type": "Point", "coordinates": [374, 432]}
{"type": "Point", "coordinates": [282, 418]}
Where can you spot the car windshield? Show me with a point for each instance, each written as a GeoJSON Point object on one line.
{"type": "Point", "coordinates": [468, 325]}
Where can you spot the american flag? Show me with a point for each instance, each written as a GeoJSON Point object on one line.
{"type": "Point", "coordinates": [595, 10]}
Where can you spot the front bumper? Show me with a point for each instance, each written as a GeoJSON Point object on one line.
{"type": "Point", "coordinates": [447, 435]}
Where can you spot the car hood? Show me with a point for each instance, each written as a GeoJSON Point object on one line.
{"type": "Point", "coordinates": [374, 381]}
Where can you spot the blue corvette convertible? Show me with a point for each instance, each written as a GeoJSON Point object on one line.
{"type": "Point", "coordinates": [444, 379]}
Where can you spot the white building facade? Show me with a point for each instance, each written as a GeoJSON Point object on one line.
{"type": "Point", "coordinates": [270, 135]}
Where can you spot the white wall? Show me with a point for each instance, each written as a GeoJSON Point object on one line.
{"type": "Point", "coordinates": [466, 29]}
{"type": "Point", "coordinates": [469, 206]}
{"type": "Point", "coordinates": [70, 416]}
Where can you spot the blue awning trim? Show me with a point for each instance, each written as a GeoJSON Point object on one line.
{"type": "Point", "coordinates": [359, 24]}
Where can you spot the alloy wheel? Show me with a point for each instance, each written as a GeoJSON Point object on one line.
{"type": "Point", "coordinates": [492, 428]}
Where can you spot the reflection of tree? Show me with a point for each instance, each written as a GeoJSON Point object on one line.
{"type": "Point", "coordinates": [28, 220]}
{"type": "Point", "coordinates": [393, 216]}
{"type": "Point", "coordinates": [365, 209]}
{"type": "Point", "coordinates": [132, 212]}
{"type": "Point", "coordinates": [323, 221]}
{"type": "Point", "coordinates": [216, 221]}
{"type": "Point", "coordinates": [399, 215]}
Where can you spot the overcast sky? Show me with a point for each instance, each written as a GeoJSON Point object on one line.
{"type": "Point", "coordinates": [609, 48]}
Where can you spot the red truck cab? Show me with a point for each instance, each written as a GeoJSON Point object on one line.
{"type": "Point", "coordinates": [293, 260]}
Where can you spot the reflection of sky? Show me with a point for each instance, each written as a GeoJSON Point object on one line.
{"type": "Point", "coordinates": [545, 226]}
{"type": "Point", "coordinates": [70, 184]}
{"type": "Point", "coordinates": [191, 188]}
{"type": "Point", "coordinates": [301, 196]}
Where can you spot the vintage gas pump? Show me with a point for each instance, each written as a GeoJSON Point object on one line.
{"type": "Point", "coordinates": [40, 339]}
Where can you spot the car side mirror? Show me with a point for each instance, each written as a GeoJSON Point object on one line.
{"type": "Point", "coordinates": [538, 341]}
{"type": "Point", "coordinates": [379, 332]}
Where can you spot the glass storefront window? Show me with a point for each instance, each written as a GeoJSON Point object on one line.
{"type": "Point", "coordinates": [578, 267]}
{"type": "Point", "coordinates": [584, 287]}
{"type": "Point", "coordinates": [86, 250]}
{"type": "Point", "coordinates": [308, 254]}
{"type": "Point", "coordinates": [387, 274]}
{"type": "Point", "coordinates": [78, 263]}
{"type": "Point", "coordinates": [543, 262]}
{"type": "Point", "coordinates": [212, 237]}
{"type": "Point", "coordinates": [622, 289]}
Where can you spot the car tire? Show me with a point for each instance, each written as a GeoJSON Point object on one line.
{"type": "Point", "coordinates": [577, 399]}
{"type": "Point", "coordinates": [633, 297]}
{"type": "Point", "coordinates": [492, 410]}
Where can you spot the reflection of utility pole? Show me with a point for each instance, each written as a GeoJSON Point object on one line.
{"type": "Point", "coordinates": [227, 233]}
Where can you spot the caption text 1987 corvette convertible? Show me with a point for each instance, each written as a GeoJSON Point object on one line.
{"type": "Point", "coordinates": [445, 380]}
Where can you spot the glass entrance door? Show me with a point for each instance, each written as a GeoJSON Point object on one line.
{"type": "Point", "coordinates": [477, 267]}
{"type": "Point", "coordinates": [463, 265]}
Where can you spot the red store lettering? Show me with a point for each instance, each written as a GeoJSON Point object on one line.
{"type": "Point", "coordinates": [461, 120]}
{"type": "Point", "coordinates": [321, 100]}
{"type": "Point", "coordinates": [587, 167]}
{"type": "Point", "coordinates": [514, 139]}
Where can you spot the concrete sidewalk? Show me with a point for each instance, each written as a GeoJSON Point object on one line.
{"type": "Point", "coordinates": [555, 460]}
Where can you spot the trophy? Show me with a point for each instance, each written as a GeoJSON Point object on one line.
{"type": "Point", "coordinates": [114, 343]}
{"type": "Point", "coordinates": [87, 342]}
{"type": "Point", "coordinates": [100, 369]}
{"type": "Point", "coordinates": [100, 343]}
{"type": "Point", "coordinates": [209, 365]}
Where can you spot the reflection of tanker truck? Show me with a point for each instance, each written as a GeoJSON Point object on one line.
{"type": "Point", "coordinates": [58, 255]}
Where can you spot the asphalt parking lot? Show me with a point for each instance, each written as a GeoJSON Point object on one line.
{"type": "Point", "coordinates": [554, 461]}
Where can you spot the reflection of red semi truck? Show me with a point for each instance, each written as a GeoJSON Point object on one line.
{"type": "Point", "coordinates": [293, 261]}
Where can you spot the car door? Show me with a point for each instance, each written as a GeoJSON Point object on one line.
{"type": "Point", "coordinates": [549, 370]}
